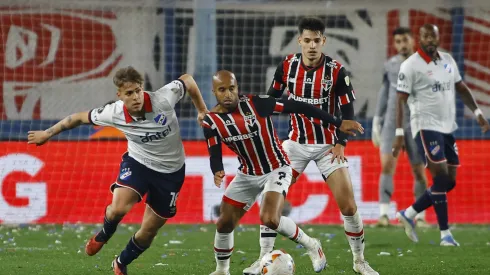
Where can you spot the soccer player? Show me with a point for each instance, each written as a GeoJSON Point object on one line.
{"type": "Point", "coordinates": [244, 124]}
{"type": "Point", "coordinates": [383, 138]}
{"type": "Point", "coordinates": [428, 81]}
{"type": "Point", "coordinates": [154, 163]}
{"type": "Point", "coordinates": [317, 79]}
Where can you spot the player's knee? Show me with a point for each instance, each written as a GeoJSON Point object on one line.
{"type": "Point", "coordinates": [118, 211]}
{"type": "Point", "coordinates": [270, 220]}
{"type": "Point", "coordinates": [146, 236]}
{"type": "Point", "coordinates": [349, 208]}
{"type": "Point", "coordinates": [441, 183]}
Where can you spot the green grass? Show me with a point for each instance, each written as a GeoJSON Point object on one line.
{"type": "Point", "coordinates": [59, 250]}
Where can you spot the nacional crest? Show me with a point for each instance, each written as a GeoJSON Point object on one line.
{"type": "Point", "coordinates": [160, 119]}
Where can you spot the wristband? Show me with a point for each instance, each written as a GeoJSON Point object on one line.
{"type": "Point", "coordinates": [478, 112]}
{"type": "Point", "coordinates": [399, 132]}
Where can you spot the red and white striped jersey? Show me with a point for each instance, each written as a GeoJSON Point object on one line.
{"type": "Point", "coordinates": [327, 86]}
{"type": "Point", "coordinates": [249, 132]}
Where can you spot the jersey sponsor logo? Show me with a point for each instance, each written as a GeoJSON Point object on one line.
{"type": "Point", "coordinates": [125, 173]}
{"type": "Point", "coordinates": [347, 80]}
{"type": "Point", "coordinates": [441, 86]}
{"type": "Point", "coordinates": [229, 122]}
{"type": "Point", "coordinates": [148, 137]}
{"type": "Point", "coordinates": [315, 101]}
{"type": "Point", "coordinates": [160, 119]}
{"type": "Point", "coordinates": [401, 76]}
{"type": "Point", "coordinates": [241, 137]}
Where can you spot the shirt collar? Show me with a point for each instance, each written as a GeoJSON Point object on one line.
{"type": "Point", "coordinates": [425, 56]}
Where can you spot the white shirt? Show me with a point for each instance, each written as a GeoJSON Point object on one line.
{"type": "Point", "coordinates": [155, 141]}
{"type": "Point", "coordinates": [431, 89]}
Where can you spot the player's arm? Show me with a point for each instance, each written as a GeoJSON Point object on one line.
{"type": "Point", "coordinates": [214, 149]}
{"type": "Point", "coordinates": [345, 92]}
{"type": "Point", "coordinates": [196, 96]}
{"type": "Point", "coordinates": [267, 105]}
{"type": "Point", "coordinates": [69, 122]}
{"type": "Point", "coordinates": [278, 83]}
{"type": "Point", "coordinates": [468, 99]}
{"type": "Point", "coordinates": [381, 106]}
{"type": "Point", "coordinates": [404, 88]}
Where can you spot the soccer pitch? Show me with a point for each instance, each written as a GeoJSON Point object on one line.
{"type": "Point", "coordinates": [188, 249]}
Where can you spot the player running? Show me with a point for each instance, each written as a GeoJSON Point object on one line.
{"type": "Point", "coordinates": [319, 80]}
{"type": "Point", "coordinates": [428, 81]}
{"type": "Point", "coordinates": [383, 137]}
{"type": "Point", "coordinates": [244, 124]}
{"type": "Point", "coordinates": [153, 164]}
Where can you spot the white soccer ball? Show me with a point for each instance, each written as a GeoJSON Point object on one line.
{"type": "Point", "coordinates": [277, 262]}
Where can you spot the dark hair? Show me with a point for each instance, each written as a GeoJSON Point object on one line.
{"type": "Point", "coordinates": [311, 24]}
{"type": "Point", "coordinates": [402, 30]}
{"type": "Point", "coordinates": [128, 74]}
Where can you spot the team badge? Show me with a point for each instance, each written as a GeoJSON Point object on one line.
{"type": "Point", "coordinates": [125, 173]}
{"type": "Point", "coordinates": [249, 119]}
{"type": "Point", "coordinates": [161, 119]}
{"type": "Point", "coordinates": [326, 84]}
{"type": "Point", "coordinates": [448, 68]}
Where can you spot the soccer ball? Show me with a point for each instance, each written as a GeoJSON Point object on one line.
{"type": "Point", "coordinates": [277, 262]}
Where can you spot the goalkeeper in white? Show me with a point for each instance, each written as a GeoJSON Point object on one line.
{"type": "Point", "coordinates": [153, 163]}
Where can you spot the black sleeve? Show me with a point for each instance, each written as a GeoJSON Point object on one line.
{"type": "Point", "coordinates": [343, 88]}
{"type": "Point", "coordinates": [264, 104]}
{"type": "Point", "coordinates": [291, 106]}
{"type": "Point", "coordinates": [278, 83]}
{"type": "Point", "coordinates": [214, 147]}
{"type": "Point", "coordinates": [347, 114]}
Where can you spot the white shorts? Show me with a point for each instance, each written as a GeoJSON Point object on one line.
{"type": "Point", "coordinates": [244, 189]}
{"type": "Point", "coordinates": [301, 154]}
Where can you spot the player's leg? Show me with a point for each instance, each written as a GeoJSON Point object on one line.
{"type": "Point", "coordinates": [388, 166]}
{"type": "Point", "coordinates": [418, 171]}
{"type": "Point", "coordinates": [386, 187]}
{"type": "Point", "coordinates": [299, 158]}
{"type": "Point", "coordinates": [239, 197]}
{"type": "Point", "coordinates": [276, 185]}
{"type": "Point", "coordinates": [140, 241]}
{"type": "Point", "coordinates": [127, 191]}
{"type": "Point", "coordinates": [433, 144]}
{"type": "Point", "coordinates": [337, 177]}
{"type": "Point", "coordinates": [163, 192]}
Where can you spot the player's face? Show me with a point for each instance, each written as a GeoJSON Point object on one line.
{"type": "Point", "coordinates": [429, 40]}
{"type": "Point", "coordinates": [403, 44]}
{"type": "Point", "coordinates": [226, 92]}
{"type": "Point", "coordinates": [311, 43]}
{"type": "Point", "coordinates": [132, 95]}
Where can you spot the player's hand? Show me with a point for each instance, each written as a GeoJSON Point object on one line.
{"type": "Point", "coordinates": [337, 153]}
{"type": "Point", "coordinates": [37, 137]}
{"type": "Point", "coordinates": [350, 127]}
{"type": "Point", "coordinates": [398, 145]}
{"type": "Point", "coordinates": [218, 178]}
{"type": "Point", "coordinates": [483, 123]}
{"type": "Point", "coordinates": [201, 115]}
{"type": "Point", "coordinates": [376, 132]}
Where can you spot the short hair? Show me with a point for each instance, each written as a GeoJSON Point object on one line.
{"type": "Point", "coordinates": [312, 24]}
{"type": "Point", "coordinates": [127, 74]}
{"type": "Point", "coordinates": [402, 30]}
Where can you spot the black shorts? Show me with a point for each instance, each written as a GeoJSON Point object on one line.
{"type": "Point", "coordinates": [162, 188]}
{"type": "Point", "coordinates": [437, 147]}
